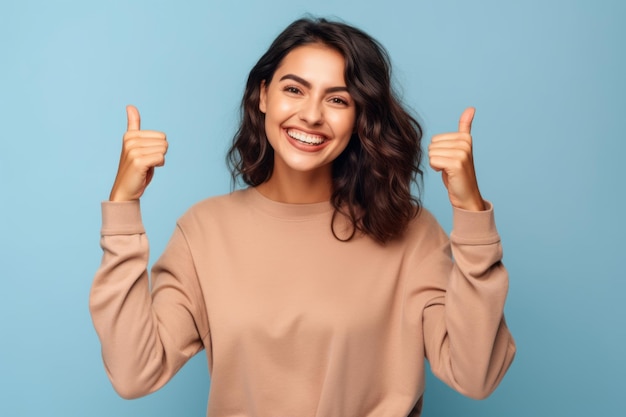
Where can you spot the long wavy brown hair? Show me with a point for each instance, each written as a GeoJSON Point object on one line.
{"type": "Point", "coordinates": [372, 178]}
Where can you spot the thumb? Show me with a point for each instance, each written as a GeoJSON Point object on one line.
{"type": "Point", "coordinates": [134, 120]}
{"type": "Point", "coordinates": [465, 122]}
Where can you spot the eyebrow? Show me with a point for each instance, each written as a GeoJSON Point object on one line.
{"type": "Point", "coordinates": [308, 84]}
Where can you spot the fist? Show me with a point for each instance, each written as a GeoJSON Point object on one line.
{"type": "Point", "coordinates": [142, 151]}
{"type": "Point", "coordinates": [451, 154]}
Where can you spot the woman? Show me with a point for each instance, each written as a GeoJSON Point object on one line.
{"type": "Point", "coordinates": [320, 288]}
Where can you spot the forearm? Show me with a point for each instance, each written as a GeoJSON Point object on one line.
{"type": "Point", "coordinates": [475, 347]}
{"type": "Point", "coordinates": [138, 350]}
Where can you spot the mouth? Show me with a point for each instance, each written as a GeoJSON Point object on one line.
{"type": "Point", "coordinates": [305, 138]}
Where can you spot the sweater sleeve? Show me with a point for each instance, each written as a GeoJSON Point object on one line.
{"type": "Point", "coordinates": [146, 335]}
{"type": "Point", "coordinates": [467, 341]}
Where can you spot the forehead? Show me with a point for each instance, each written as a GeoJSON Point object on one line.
{"type": "Point", "coordinates": [315, 63]}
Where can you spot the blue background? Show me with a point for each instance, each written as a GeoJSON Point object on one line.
{"type": "Point", "coordinates": [548, 80]}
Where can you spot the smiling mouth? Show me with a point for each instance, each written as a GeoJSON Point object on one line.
{"type": "Point", "coordinates": [305, 138]}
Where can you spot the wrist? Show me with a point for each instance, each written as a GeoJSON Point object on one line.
{"type": "Point", "coordinates": [475, 204]}
{"type": "Point", "coordinates": [118, 196]}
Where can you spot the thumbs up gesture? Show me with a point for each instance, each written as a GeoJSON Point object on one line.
{"type": "Point", "coordinates": [142, 151]}
{"type": "Point", "coordinates": [451, 154]}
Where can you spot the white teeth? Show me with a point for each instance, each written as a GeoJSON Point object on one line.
{"type": "Point", "coordinates": [305, 138]}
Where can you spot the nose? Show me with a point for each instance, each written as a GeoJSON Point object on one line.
{"type": "Point", "coordinates": [312, 111]}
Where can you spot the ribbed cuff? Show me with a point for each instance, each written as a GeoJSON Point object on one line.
{"type": "Point", "coordinates": [474, 227]}
{"type": "Point", "coordinates": [121, 218]}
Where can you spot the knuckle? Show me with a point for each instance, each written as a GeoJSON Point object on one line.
{"type": "Point", "coordinates": [132, 153]}
{"type": "Point", "coordinates": [137, 162]}
{"type": "Point", "coordinates": [131, 143]}
{"type": "Point", "coordinates": [130, 135]}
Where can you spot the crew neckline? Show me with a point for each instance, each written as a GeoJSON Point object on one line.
{"type": "Point", "coordinates": [287, 211]}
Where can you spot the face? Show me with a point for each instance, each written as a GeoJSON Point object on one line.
{"type": "Point", "coordinates": [309, 114]}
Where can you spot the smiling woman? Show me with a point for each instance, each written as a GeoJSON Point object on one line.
{"type": "Point", "coordinates": [382, 157]}
{"type": "Point", "coordinates": [320, 288]}
{"type": "Point", "coordinates": [309, 120]}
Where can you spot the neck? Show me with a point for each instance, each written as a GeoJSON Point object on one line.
{"type": "Point", "coordinates": [298, 187]}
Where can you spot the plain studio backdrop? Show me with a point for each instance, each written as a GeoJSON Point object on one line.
{"type": "Point", "coordinates": [547, 78]}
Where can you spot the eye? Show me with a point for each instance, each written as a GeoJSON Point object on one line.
{"type": "Point", "coordinates": [292, 89]}
{"type": "Point", "coordinates": [339, 101]}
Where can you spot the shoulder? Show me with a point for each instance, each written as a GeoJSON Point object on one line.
{"type": "Point", "coordinates": [219, 202]}
{"type": "Point", "coordinates": [217, 208]}
{"type": "Point", "coordinates": [424, 229]}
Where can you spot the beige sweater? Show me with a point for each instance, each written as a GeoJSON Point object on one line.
{"type": "Point", "coordinates": [294, 322]}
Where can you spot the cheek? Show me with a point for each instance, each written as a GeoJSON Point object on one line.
{"type": "Point", "coordinates": [270, 129]}
{"type": "Point", "coordinates": [344, 124]}
{"type": "Point", "coordinates": [278, 110]}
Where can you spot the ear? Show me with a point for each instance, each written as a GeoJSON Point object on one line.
{"type": "Point", "coordinates": [263, 97]}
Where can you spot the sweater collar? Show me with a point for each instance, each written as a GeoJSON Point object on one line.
{"type": "Point", "coordinates": [287, 211]}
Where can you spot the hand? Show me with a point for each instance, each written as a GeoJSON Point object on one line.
{"type": "Point", "coordinates": [142, 151]}
{"type": "Point", "coordinates": [451, 154]}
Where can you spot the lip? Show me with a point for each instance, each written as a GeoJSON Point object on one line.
{"type": "Point", "coordinates": [303, 146]}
